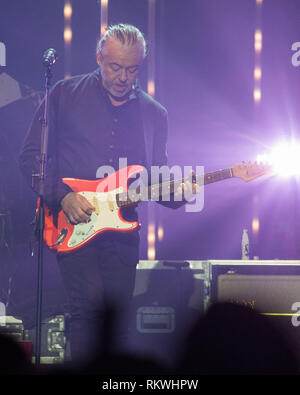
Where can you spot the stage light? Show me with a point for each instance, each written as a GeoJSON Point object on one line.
{"type": "Point", "coordinates": [151, 88]}
{"type": "Point", "coordinates": [151, 234]}
{"type": "Point", "coordinates": [255, 225]}
{"type": "Point", "coordinates": [151, 241]}
{"type": "Point", "coordinates": [67, 38]}
{"type": "Point", "coordinates": [67, 35]}
{"type": "Point", "coordinates": [67, 10]}
{"type": "Point", "coordinates": [103, 16]}
{"type": "Point", "coordinates": [151, 238]}
{"type": "Point", "coordinates": [160, 233]}
{"type": "Point", "coordinates": [257, 73]}
{"type": "Point", "coordinates": [284, 158]}
{"type": "Point", "coordinates": [257, 95]}
{"type": "Point", "coordinates": [258, 41]}
{"type": "Point", "coordinates": [151, 253]}
{"type": "Point", "coordinates": [258, 35]}
{"type": "Point", "coordinates": [258, 38]}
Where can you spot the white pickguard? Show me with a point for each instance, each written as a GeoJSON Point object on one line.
{"type": "Point", "coordinates": [106, 215]}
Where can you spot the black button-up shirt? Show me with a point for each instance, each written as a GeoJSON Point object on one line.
{"type": "Point", "coordinates": [85, 132]}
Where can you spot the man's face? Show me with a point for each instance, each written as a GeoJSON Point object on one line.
{"type": "Point", "coordinates": [119, 66]}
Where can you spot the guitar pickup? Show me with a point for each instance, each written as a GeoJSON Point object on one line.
{"type": "Point", "coordinates": [110, 202]}
{"type": "Point", "coordinates": [96, 205]}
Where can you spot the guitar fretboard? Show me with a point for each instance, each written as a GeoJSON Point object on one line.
{"type": "Point", "coordinates": [156, 191]}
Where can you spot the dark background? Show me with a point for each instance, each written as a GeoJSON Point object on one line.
{"type": "Point", "coordinates": [204, 77]}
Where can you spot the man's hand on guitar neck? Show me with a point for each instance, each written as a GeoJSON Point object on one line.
{"type": "Point", "coordinates": [77, 208]}
{"type": "Point", "coordinates": [188, 188]}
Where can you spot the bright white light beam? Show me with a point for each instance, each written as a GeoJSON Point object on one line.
{"type": "Point", "coordinates": [284, 158]}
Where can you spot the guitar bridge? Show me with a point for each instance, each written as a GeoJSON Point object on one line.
{"type": "Point", "coordinates": [61, 237]}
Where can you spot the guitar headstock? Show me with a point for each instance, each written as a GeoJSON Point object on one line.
{"type": "Point", "coordinates": [250, 171]}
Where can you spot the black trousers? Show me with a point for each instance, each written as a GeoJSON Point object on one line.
{"type": "Point", "coordinates": [97, 277]}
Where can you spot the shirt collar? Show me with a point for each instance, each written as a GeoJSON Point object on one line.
{"type": "Point", "coordinates": [133, 94]}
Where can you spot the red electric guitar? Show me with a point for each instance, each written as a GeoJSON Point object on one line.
{"type": "Point", "coordinates": [110, 194]}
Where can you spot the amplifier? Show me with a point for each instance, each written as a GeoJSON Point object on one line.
{"type": "Point", "coordinates": [269, 287]}
{"type": "Point", "coordinates": [265, 293]}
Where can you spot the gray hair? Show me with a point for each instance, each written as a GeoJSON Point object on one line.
{"type": "Point", "coordinates": [126, 34]}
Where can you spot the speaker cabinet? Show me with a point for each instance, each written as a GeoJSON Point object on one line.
{"type": "Point", "coordinates": [272, 288]}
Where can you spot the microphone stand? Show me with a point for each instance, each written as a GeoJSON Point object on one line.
{"type": "Point", "coordinates": [41, 212]}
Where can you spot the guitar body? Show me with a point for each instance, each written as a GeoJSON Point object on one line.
{"type": "Point", "coordinates": [62, 236]}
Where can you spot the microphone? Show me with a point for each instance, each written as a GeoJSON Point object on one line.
{"type": "Point", "coordinates": [49, 57]}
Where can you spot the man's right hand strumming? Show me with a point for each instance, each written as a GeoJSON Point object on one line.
{"type": "Point", "coordinates": [77, 208]}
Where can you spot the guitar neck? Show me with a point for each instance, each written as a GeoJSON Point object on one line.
{"type": "Point", "coordinates": [155, 192]}
{"type": "Point", "coordinates": [218, 175]}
